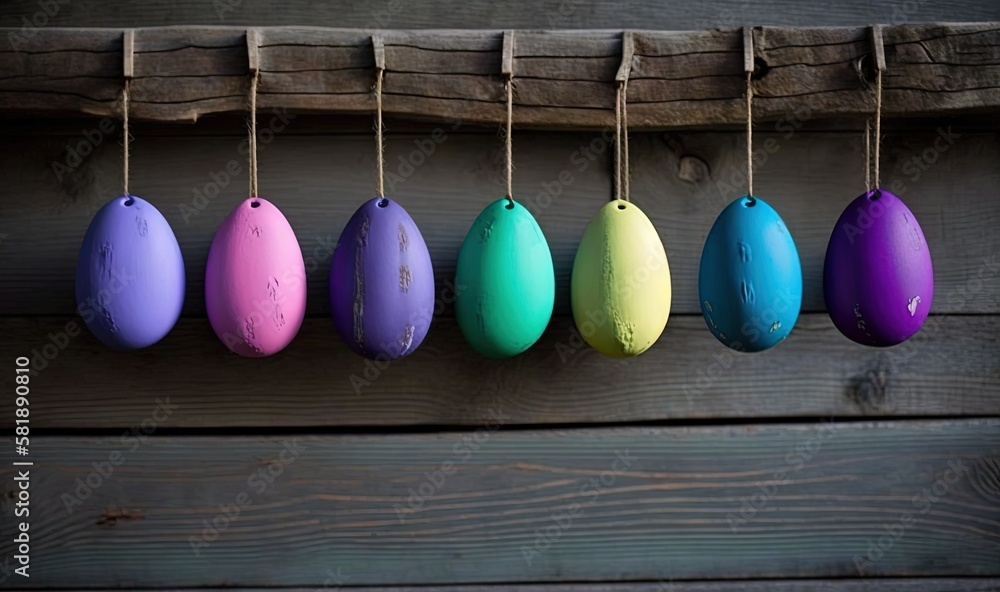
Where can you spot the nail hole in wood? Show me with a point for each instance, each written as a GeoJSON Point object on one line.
{"type": "Point", "coordinates": [760, 68]}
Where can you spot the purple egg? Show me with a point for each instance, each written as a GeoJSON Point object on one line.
{"type": "Point", "coordinates": [878, 279]}
{"type": "Point", "coordinates": [129, 275]}
{"type": "Point", "coordinates": [382, 282]}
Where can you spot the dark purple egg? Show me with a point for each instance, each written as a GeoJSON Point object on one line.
{"type": "Point", "coordinates": [382, 282]}
{"type": "Point", "coordinates": [878, 279]}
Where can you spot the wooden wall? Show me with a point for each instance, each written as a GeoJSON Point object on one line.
{"type": "Point", "coordinates": [372, 435]}
{"type": "Point", "coordinates": [666, 15]}
{"type": "Point", "coordinates": [819, 465]}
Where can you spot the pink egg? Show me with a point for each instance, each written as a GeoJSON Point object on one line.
{"type": "Point", "coordinates": [255, 280]}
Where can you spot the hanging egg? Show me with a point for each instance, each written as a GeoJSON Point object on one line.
{"type": "Point", "coordinates": [255, 280]}
{"type": "Point", "coordinates": [382, 282]}
{"type": "Point", "coordinates": [129, 275]}
{"type": "Point", "coordinates": [750, 278]}
{"type": "Point", "coordinates": [505, 283]}
{"type": "Point", "coordinates": [878, 280]}
{"type": "Point", "coordinates": [620, 288]}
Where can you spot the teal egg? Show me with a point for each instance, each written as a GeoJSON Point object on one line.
{"type": "Point", "coordinates": [504, 283]}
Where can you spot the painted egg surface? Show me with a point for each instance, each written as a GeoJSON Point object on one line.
{"type": "Point", "coordinates": [878, 279]}
{"type": "Point", "coordinates": [255, 280]}
{"type": "Point", "coordinates": [505, 283]}
{"type": "Point", "coordinates": [620, 287]}
{"type": "Point", "coordinates": [129, 275]}
{"type": "Point", "coordinates": [750, 278]}
{"type": "Point", "coordinates": [382, 282]}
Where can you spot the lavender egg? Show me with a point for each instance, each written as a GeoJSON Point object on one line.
{"type": "Point", "coordinates": [878, 279]}
{"type": "Point", "coordinates": [129, 275]}
{"type": "Point", "coordinates": [382, 282]}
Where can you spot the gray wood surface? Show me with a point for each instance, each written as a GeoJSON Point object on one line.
{"type": "Point", "coordinates": [667, 585]}
{"type": "Point", "coordinates": [681, 181]}
{"type": "Point", "coordinates": [662, 509]}
{"type": "Point", "coordinates": [563, 79]}
{"type": "Point", "coordinates": [522, 14]}
{"type": "Point", "coordinates": [952, 368]}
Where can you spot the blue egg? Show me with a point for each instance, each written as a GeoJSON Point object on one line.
{"type": "Point", "coordinates": [750, 280]}
{"type": "Point", "coordinates": [129, 275]}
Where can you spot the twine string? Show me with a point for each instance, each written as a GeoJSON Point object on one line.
{"type": "Point", "coordinates": [868, 154]}
{"type": "Point", "coordinates": [626, 173]}
{"type": "Point", "coordinates": [878, 125]}
{"type": "Point", "coordinates": [126, 92]}
{"type": "Point", "coordinates": [618, 143]}
{"type": "Point", "coordinates": [507, 139]}
{"type": "Point", "coordinates": [749, 136]}
{"type": "Point", "coordinates": [254, 82]}
{"type": "Point", "coordinates": [379, 139]}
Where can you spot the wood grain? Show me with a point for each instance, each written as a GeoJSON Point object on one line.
{"type": "Point", "coordinates": [522, 14]}
{"type": "Point", "coordinates": [663, 509]}
{"type": "Point", "coordinates": [951, 368]}
{"type": "Point", "coordinates": [667, 585]}
{"type": "Point", "coordinates": [563, 179]}
{"type": "Point", "coordinates": [681, 79]}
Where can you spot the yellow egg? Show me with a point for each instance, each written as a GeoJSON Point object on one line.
{"type": "Point", "coordinates": [620, 289]}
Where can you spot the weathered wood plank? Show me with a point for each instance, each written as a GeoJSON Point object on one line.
{"type": "Point", "coordinates": [682, 79]}
{"type": "Point", "coordinates": [668, 585]}
{"type": "Point", "coordinates": [681, 181]}
{"type": "Point", "coordinates": [951, 368]}
{"type": "Point", "coordinates": [520, 14]}
{"type": "Point", "coordinates": [646, 504]}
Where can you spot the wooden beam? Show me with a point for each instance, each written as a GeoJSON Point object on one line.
{"type": "Point", "coordinates": [512, 506]}
{"type": "Point", "coordinates": [566, 78]}
{"type": "Point", "coordinates": [951, 369]}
